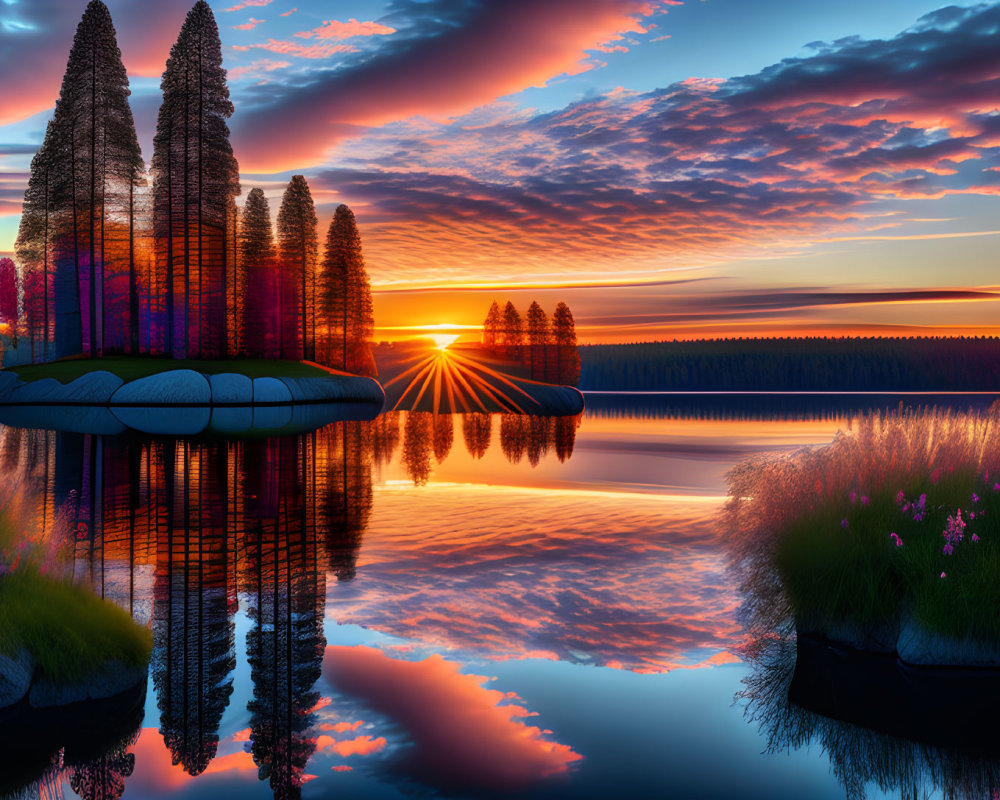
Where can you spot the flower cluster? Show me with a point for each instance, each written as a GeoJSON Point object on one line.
{"type": "Point", "coordinates": [954, 533]}
{"type": "Point", "coordinates": [917, 508]}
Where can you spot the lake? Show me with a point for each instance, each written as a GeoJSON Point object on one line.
{"type": "Point", "coordinates": [456, 605]}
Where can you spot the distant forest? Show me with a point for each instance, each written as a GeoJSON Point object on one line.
{"type": "Point", "coordinates": [806, 364]}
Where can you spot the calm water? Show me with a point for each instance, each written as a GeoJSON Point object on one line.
{"type": "Point", "coordinates": [459, 606]}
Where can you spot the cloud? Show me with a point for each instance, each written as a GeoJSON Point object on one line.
{"type": "Point", "coordinates": [464, 736]}
{"type": "Point", "coordinates": [692, 174]}
{"type": "Point", "coordinates": [299, 50]}
{"type": "Point", "coordinates": [288, 13]}
{"type": "Point", "coordinates": [443, 71]}
{"type": "Point", "coordinates": [249, 4]}
{"type": "Point", "coordinates": [257, 68]}
{"type": "Point", "coordinates": [249, 26]}
{"type": "Point", "coordinates": [332, 29]}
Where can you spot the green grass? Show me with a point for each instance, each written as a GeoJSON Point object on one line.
{"type": "Point", "coordinates": [67, 630]}
{"type": "Point", "coordinates": [834, 573]}
{"type": "Point", "coordinates": [129, 368]}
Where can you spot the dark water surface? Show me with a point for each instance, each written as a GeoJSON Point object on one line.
{"type": "Point", "coordinates": [456, 605]}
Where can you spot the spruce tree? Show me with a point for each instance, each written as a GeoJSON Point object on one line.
{"type": "Point", "coordinates": [491, 327]}
{"type": "Point", "coordinates": [79, 177]}
{"type": "Point", "coordinates": [346, 293]}
{"type": "Point", "coordinates": [513, 331]}
{"type": "Point", "coordinates": [33, 248]}
{"type": "Point", "coordinates": [257, 256]}
{"type": "Point", "coordinates": [8, 292]}
{"type": "Point", "coordinates": [195, 179]}
{"type": "Point", "coordinates": [297, 250]}
{"type": "Point", "coordinates": [538, 338]}
{"type": "Point", "coordinates": [564, 335]}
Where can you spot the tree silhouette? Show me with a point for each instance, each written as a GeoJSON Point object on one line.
{"type": "Point", "coordinates": [297, 250]}
{"type": "Point", "coordinates": [346, 296]}
{"type": "Point", "coordinates": [539, 336]}
{"type": "Point", "coordinates": [492, 327]}
{"type": "Point", "coordinates": [195, 178]}
{"type": "Point", "coordinates": [512, 332]}
{"type": "Point", "coordinates": [567, 355]}
{"type": "Point", "coordinates": [444, 436]}
{"type": "Point", "coordinates": [258, 261]}
{"type": "Point", "coordinates": [417, 444]}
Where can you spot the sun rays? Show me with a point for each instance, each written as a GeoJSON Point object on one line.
{"type": "Point", "coordinates": [456, 383]}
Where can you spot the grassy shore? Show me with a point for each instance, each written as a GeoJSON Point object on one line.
{"type": "Point", "coordinates": [129, 368]}
{"type": "Point", "coordinates": [68, 631]}
{"type": "Point", "coordinates": [898, 516]}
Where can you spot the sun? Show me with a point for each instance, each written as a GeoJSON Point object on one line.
{"type": "Point", "coordinates": [442, 340]}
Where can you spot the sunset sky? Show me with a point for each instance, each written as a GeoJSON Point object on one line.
{"type": "Point", "coordinates": [672, 170]}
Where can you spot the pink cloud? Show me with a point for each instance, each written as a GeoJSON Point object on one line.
{"type": "Point", "coordinates": [257, 68]}
{"type": "Point", "coordinates": [301, 51]}
{"type": "Point", "coordinates": [464, 735]}
{"type": "Point", "coordinates": [288, 13]}
{"type": "Point", "coordinates": [332, 29]}
{"type": "Point", "coordinates": [249, 26]}
{"type": "Point", "coordinates": [249, 4]}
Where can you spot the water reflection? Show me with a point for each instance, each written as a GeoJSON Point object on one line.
{"type": "Point", "coordinates": [187, 533]}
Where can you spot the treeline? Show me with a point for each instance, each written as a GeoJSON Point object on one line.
{"type": "Point", "coordinates": [803, 364]}
{"type": "Point", "coordinates": [547, 347]}
{"type": "Point", "coordinates": [115, 259]}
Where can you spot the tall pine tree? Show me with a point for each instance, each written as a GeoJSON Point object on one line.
{"type": "Point", "coordinates": [195, 181]}
{"type": "Point", "coordinates": [79, 178]}
{"type": "Point", "coordinates": [346, 295]}
{"type": "Point", "coordinates": [567, 355]}
{"type": "Point", "coordinates": [258, 260]}
{"type": "Point", "coordinates": [538, 338]}
{"type": "Point", "coordinates": [492, 326]}
{"type": "Point", "coordinates": [297, 251]}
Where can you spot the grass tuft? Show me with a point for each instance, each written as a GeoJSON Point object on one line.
{"type": "Point", "coordinates": [68, 631]}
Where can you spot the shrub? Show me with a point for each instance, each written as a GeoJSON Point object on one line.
{"type": "Point", "coordinates": [844, 528]}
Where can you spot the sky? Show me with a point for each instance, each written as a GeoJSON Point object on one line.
{"type": "Point", "coordinates": [706, 168]}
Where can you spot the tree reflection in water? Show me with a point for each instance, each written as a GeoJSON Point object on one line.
{"type": "Point", "coordinates": [183, 532]}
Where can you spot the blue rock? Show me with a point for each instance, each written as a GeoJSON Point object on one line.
{"type": "Point", "coordinates": [270, 390]}
{"type": "Point", "coordinates": [334, 388]}
{"type": "Point", "coordinates": [229, 388]}
{"type": "Point", "coordinates": [15, 677]}
{"type": "Point", "coordinates": [175, 387]}
{"type": "Point", "coordinates": [94, 388]}
{"type": "Point", "coordinates": [41, 391]}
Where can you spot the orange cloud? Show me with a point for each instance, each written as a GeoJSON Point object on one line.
{"type": "Point", "coordinates": [464, 735]}
{"type": "Point", "coordinates": [361, 746]}
{"type": "Point", "coordinates": [301, 51]}
{"type": "Point", "coordinates": [258, 68]}
{"type": "Point", "coordinates": [332, 29]}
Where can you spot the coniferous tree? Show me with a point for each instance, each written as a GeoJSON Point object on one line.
{"type": "Point", "coordinates": [513, 331]}
{"type": "Point", "coordinates": [538, 337]}
{"type": "Point", "coordinates": [567, 356]}
{"type": "Point", "coordinates": [491, 327]}
{"type": "Point", "coordinates": [297, 248]}
{"type": "Point", "coordinates": [195, 178]}
{"type": "Point", "coordinates": [258, 257]}
{"type": "Point", "coordinates": [346, 295]}
{"type": "Point", "coordinates": [79, 177]}
{"type": "Point", "coordinates": [33, 248]}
